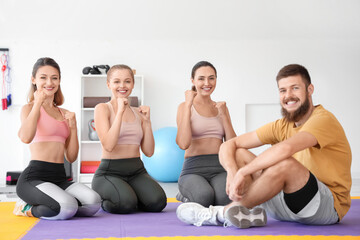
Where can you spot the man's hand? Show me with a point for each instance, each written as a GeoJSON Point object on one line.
{"type": "Point", "coordinates": [237, 187]}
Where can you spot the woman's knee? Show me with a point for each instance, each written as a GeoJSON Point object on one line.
{"type": "Point", "coordinates": [221, 198]}
{"type": "Point", "coordinates": [151, 196]}
{"type": "Point", "coordinates": [90, 206]}
{"type": "Point", "coordinates": [93, 198]}
{"type": "Point", "coordinates": [84, 194]}
{"type": "Point", "coordinates": [58, 201]}
{"type": "Point", "coordinates": [89, 199]}
{"type": "Point", "coordinates": [219, 185]}
{"type": "Point", "coordinates": [156, 204]}
{"type": "Point", "coordinates": [122, 206]}
{"type": "Point", "coordinates": [204, 197]}
{"type": "Point", "coordinates": [64, 209]}
{"type": "Point", "coordinates": [197, 189]}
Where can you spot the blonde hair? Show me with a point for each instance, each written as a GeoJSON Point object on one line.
{"type": "Point", "coordinates": [120, 67]}
{"type": "Point", "coordinates": [41, 62]}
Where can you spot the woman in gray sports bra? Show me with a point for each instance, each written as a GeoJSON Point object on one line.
{"type": "Point", "coordinates": [121, 179]}
{"type": "Point", "coordinates": [203, 125]}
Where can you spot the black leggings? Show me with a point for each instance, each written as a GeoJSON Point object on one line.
{"type": "Point", "coordinates": [44, 186]}
{"type": "Point", "coordinates": [203, 180]}
{"type": "Point", "coordinates": [125, 186]}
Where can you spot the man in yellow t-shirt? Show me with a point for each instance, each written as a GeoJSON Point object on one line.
{"type": "Point", "coordinates": [303, 177]}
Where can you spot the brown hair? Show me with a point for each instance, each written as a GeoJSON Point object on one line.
{"type": "Point", "coordinates": [293, 70]}
{"type": "Point", "coordinates": [199, 65]}
{"type": "Point", "coordinates": [41, 62]}
{"type": "Point", "coordinates": [120, 67]}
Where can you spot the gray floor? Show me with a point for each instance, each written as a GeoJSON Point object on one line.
{"type": "Point", "coordinates": [7, 192]}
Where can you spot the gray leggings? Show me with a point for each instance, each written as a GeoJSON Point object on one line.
{"type": "Point", "coordinates": [203, 180]}
{"type": "Point", "coordinates": [44, 186]}
{"type": "Point", "coordinates": [125, 186]}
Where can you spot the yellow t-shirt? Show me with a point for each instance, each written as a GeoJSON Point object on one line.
{"type": "Point", "coordinates": [329, 161]}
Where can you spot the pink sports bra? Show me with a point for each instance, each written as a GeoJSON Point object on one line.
{"type": "Point", "coordinates": [130, 132]}
{"type": "Point", "coordinates": [206, 127]}
{"type": "Point", "coordinates": [49, 129]}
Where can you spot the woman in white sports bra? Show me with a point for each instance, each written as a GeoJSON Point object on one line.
{"type": "Point", "coordinates": [203, 125]}
{"type": "Point", "coordinates": [121, 179]}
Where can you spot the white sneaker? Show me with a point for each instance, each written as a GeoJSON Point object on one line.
{"type": "Point", "coordinates": [198, 215]}
{"type": "Point", "coordinates": [241, 217]}
{"type": "Point", "coordinates": [21, 208]}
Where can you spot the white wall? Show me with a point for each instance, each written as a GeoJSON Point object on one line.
{"type": "Point", "coordinates": [247, 41]}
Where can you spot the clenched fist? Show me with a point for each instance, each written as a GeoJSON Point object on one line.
{"type": "Point", "coordinates": [71, 119]}
{"type": "Point", "coordinates": [144, 112]}
{"type": "Point", "coordinates": [221, 107]}
{"type": "Point", "coordinates": [122, 103]}
{"type": "Point", "coordinates": [39, 96]}
{"type": "Point", "coordinates": [189, 96]}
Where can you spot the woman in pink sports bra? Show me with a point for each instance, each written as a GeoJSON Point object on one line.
{"type": "Point", "coordinates": [121, 179]}
{"type": "Point", "coordinates": [203, 125]}
{"type": "Point", "coordinates": [51, 132]}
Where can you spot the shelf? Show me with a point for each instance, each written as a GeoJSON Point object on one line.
{"type": "Point", "coordinates": [94, 75]}
{"type": "Point", "coordinates": [87, 109]}
{"type": "Point", "coordinates": [86, 177]}
{"type": "Point", "coordinates": [88, 141]}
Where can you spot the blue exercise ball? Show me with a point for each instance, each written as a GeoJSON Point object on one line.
{"type": "Point", "coordinates": [166, 163]}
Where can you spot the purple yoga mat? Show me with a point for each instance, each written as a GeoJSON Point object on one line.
{"type": "Point", "coordinates": [105, 225]}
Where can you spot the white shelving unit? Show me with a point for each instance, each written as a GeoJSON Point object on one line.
{"type": "Point", "coordinates": [95, 86]}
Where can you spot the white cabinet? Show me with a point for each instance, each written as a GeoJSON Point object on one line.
{"type": "Point", "coordinates": [90, 151]}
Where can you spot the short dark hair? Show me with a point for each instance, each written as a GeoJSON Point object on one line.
{"type": "Point", "coordinates": [293, 70]}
